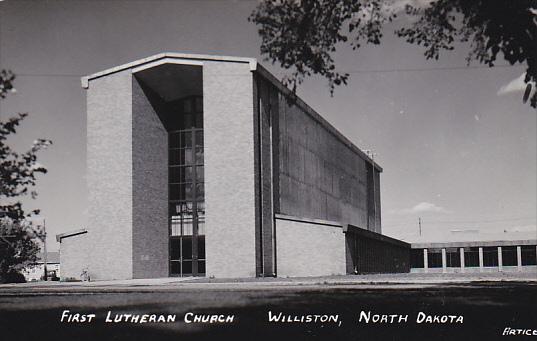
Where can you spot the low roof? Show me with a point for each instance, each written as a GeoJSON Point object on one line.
{"type": "Point", "coordinates": [60, 236]}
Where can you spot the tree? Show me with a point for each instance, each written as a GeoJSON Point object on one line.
{"type": "Point", "coordinates": [18, 235]}
{"type": "Point", "coordinates": [302, 35]}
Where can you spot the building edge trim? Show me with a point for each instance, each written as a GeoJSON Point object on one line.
{"type": "Point", "coordinates": [171, 55]}
{"type": "Point", "coordinates": [61, 236]}
{"type": "Point", "coordinates": [519, 242]}
{"type": "Point", "coordinates": [314, 114]}
{"type": "Point", "coordinates": [307, 220]}
{"type": "Point", "coordinates": [374, 235]}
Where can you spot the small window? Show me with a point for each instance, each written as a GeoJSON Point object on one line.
{"type": "Point", "coordinates": [199, 104]}
{"type": "Point", "coordinates": [416, 258]}
{"type": "Point", "coordinates": [175, 249]}
{"type": "Point", "coordinates": [509, 256]}
{"type": "Point", "coordinates": [529, 254]}
{"type": "Point", "coordinates": [199, 138]}
{"type": "Point", "coordinates": [199, 156]}
{"type": "Point", "coordinates": [199, 174]}
{"type": "Point", "coordinates": [434, 258]}
{"type": "Point", "coordinates": [186, 156]}
{"type": "Point", "coordinates": [174, 140]}
{"type": "Point", "coordinates": [186, 139]}
{"type": "Point", "coordinates": [490, 256]}
{"type": "Point", "coordinates": [201, 267]}
{"type": "Point", "coordinates": [187, 106]}
{"type": "Point", "coordinates": [200, 191]}
{"type": "Point", "coordinates": [186, 250]}
{"type": "Point", "coordinates": [471, 257]}
{"type": "Point", "coordinates": [201, 247]}
{"type": "Point", "coordinates": [175, 267]}
{"type": "Point", "coordinates": [175, 175]}
{"type": "Point", "coordinates": [453, 257]}
{"type": "Point", "coordinates": [187, 267]}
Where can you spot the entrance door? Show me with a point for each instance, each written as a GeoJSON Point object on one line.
{"type": "Point", "coordinates": [186, 191]}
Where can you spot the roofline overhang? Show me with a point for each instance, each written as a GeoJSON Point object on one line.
{"type": "Point", "coordinates": [197, 59]}
{"type": "Point", "coordinates": [168, 58]}
{"type": "Point", "coordinates": [474, 243]}
{"type": "Point", "coordinates": [316, 116]}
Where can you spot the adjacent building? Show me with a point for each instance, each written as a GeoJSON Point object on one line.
{"type": "Point", "coordinates": [475, 256]}
{"type": "Point", "coordinates": [208, 166]}
{"type": "Point", "coordinates": [36, 271]}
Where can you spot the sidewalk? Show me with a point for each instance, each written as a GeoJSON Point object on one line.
{"type": "Point", "coordinates": [376, 280]}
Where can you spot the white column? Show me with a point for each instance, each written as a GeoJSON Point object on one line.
{"type": "Point", "coordinates": [480, 259]}
{"type": "Point", "coordinates": [444, 260]}
{"type": "Point", "coordinates": [519, 258]}
{"type": "Point", "coordinates": [500, 261]}
{"type": "Point", "coordinates": [461, 252]}
{"type": "Point", "coordinates": [425, 261]}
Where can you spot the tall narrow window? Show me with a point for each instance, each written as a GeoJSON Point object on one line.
{"type": "Point", "coordinates": [186, 189]}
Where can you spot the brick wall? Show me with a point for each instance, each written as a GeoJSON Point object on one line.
{"type": "Point", "coordinates": [73, 256]}
{"type": "Point", "coordinates": [150, 188]}
{"type": "Point", "coordinates": [309, 249]}
{"type": "Point", "coordinates": [229, 169]}
{"type": "Point", "coordinates": [109, 176]}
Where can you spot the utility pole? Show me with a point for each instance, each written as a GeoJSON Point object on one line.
{"type": "Point", "coordinates": [419, 224]}
{"type": "Point", "coordinates": [45, 277]}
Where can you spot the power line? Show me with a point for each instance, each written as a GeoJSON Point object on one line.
{"type": "Point", "coordinates": [448, 68]}
{"type": "Point", "coordinates": [46, 75]}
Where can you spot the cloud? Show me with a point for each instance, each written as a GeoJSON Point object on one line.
{"type": "Point", "coordinates": [514, 86]}
{"type": "Point", "coordinates": [422, 207]}
{"type": "Point", "coordinates": [521, 228]}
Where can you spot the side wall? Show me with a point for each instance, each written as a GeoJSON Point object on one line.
{"type": "Point", "coordinates": [229, 169]}
{"type": "Point", "coordinates": [369, 252]}
{"type": "Point", "coordinates": [150, 189]}
{"type": "Point", "coordinates": [309, 249]}
{"type": "Point", "coordinates": [109, 176]}
{"type": "Point", "coordinates": [266, 134]}
{"type": "Point", "coordinates": [73, 256]}
{"type": "Point", "coordinates": [320, 176]}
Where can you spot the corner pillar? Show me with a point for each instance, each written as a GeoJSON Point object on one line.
{"type": "Point", "coordinates": [444, 260]}
{"type": "Point", "coordinates": [500, 261]}
{"type": "Point", "coordinates": [480, 259]}
{"type": "Point", "coordinates": [519, 258]}
{"type": "Point", "coordinates": [425, 261]}
{"type": "Point", "coordinates": [461, 253]}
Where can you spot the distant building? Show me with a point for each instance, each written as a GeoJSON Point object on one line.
{"type": "Point", "coordinates": [484, 256]}
{"type": "Point", "coordinates": [36, 271]}
{"type": "Point", "coordinates": [208, 166]}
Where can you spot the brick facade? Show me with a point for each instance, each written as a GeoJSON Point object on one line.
{"type": "Point", "coordinates": [149, 188]}
{"type": "Point", "coordinates": [229, 169]}
{"type": "Point", "coordinates": [109, 176]}
{"type": "Point", "coordinates": [265, 153]}
{"type": "Point", "coordinates": [74, 256]}
{"type": "Point", "coordinates": [310, 249]}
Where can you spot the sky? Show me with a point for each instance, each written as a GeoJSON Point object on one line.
{"type": "Point", "coordinates": [457, 144]}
